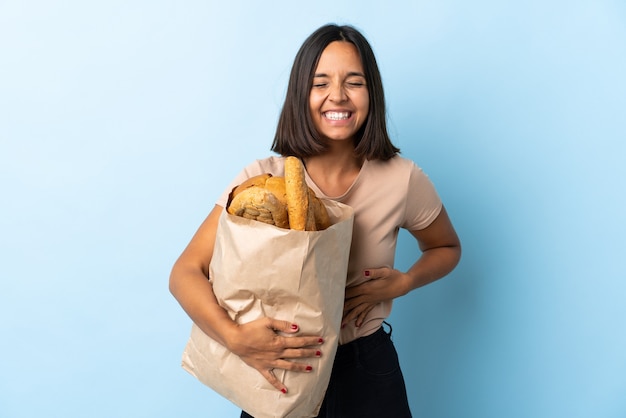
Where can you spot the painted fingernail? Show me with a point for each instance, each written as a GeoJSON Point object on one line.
{"type": "Point", "coordinates": [367, 273]}
{"type": "Point", "coordinates": [309, 368]}
{"type": "Point", "coordinates": [321, 341]}
{"type": "Point", "coordinates": [318, 353]}
{"type": "Point", "coordinates": [294, 326]}
{"type": "Point", "coordinates": [283, 390]}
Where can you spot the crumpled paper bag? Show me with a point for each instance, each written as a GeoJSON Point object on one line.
{"type": "Point", "coordinates": [260, 270]}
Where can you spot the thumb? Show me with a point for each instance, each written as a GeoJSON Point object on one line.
{"type": "Point", "coordinates": [284, 326]}
{"type": "Point", "coordinates": [376, 273]}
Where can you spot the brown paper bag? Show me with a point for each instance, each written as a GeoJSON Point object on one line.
{"type": "Point", "coordinates": [260, 270]}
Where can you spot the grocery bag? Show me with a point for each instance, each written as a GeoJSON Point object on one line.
{"type": "Point", "coordinates": [259, 270]}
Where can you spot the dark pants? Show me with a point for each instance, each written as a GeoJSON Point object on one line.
{"type": "Point", "coordinates": [366, 381]}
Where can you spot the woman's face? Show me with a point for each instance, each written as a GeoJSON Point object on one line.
{"type": "Point", "coordinates": [339, 99]}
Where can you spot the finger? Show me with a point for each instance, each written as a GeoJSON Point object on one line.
{"type": "Point", "coordinates": [371, 273]}
{"type": "Point", "coordinates": [359, 290]}
{"type": "Point", "coordinates": [273, 380]}
{"type": "Point", "coordinates": [301, 342]}
{"type": "Point", "coordinates": [376, 273]}
{"type": "Point", "coordinates": [293, 366]}
{"type": "Point", "coordinates": [282, 326]}
{"type": "Point", "coordinates": [359, 312]}
{"type": "Point", "coordinates": [353, 303]}
{"type": "Point", "coordinates": [352, 292]}
{"type": "Point", "coordinates": [361, 317]}
{"type": "Point", "coordinates": [299, 353]}
{"type": "Point", "coordinates": [349, 316]}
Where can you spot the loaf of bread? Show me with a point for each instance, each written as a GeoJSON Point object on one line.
{"type": "Point", "coordinates": [286, 202]}
{"type": "Point", "coordinates": [297, 195]}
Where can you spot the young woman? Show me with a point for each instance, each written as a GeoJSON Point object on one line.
{"type": "Point", "coordinates": [334, 119]}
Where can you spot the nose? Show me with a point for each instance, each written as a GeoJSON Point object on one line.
{"type": "Point", "coordinates": [337, 93]}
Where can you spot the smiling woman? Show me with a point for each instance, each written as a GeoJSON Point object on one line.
{"type": "Point", "coordinates": [333, 120]}
{"type": "Point", "coordinates": [296, 133]}
{"type": "Point", "coordinates": [339, 100]}
{"type": "Point", "coordinates": [118, 120]}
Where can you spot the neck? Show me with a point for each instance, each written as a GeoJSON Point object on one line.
{"type": "Point", "coordinates": [334, 163]}
{"type": "Point", "coordinates": [333, 173]}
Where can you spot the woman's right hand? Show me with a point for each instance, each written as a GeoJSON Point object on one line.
{"type": "Point", "coordinates": [260, 345]}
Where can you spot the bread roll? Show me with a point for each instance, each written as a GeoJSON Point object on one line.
{"type": "Point", "coordinates": [276, 186]}
{"type": "Point", "coordinates": [286, 202]}
{"type": "Point", "coordinates": [261, 205]}
{"type": "Point", "coordinates": [259, 181]}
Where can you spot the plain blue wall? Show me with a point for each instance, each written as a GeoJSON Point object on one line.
{"type": "Point", "coordinates": [121, 122]}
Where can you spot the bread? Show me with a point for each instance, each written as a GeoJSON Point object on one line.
{"type": "Point", "coordinates": [261, 198]}
{"type": "Point", "coordinates": [297, 195]}
{"type": "Point", "coordinates": [286, 202]}
{"type": "Point", "coordinates": [261, 205]}
{"type": "Point", "coordinates": [252, 181]}
{"type": "Point", "coordinates": [320, 214]}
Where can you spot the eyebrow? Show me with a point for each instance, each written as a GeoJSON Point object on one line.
{"type": "Point", "coordinates": [350, 74]}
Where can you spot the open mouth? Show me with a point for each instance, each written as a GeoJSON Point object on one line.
{"type": "Point", "coordinates": [337, 115]}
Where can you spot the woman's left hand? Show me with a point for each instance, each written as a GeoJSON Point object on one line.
{"type": "Point", "coordinates": [384, 284]}
{"type": "Point", "coordinates": [441, 251]}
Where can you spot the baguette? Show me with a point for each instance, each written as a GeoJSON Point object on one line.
{"type": "Point", "coordinates": [297, 194]}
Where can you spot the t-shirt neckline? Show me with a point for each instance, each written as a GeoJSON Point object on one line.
{"type": "Point", "coordinates": [341, 197]}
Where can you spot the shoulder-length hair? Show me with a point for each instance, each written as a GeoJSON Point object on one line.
{"type": "Point", "coordinates": [296, 134]}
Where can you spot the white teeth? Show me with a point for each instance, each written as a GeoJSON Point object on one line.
{"type": "Point", "coordinates": [337, 115]}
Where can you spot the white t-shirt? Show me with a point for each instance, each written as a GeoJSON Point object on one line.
{"type": "Point", "coordinates": [386, 196]}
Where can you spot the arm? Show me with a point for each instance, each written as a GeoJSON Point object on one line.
{"type": "Point", "coordinates": [256, 342]}
{"type": "Point", "coordinates": [441, 252]}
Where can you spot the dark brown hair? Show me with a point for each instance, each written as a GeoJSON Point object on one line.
{"type": "Point", "coordinates": [296, 135]}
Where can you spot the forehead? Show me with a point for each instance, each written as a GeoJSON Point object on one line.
{"type": "Point", "coordinates": [340, 55]}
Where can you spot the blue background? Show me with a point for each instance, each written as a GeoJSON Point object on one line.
{"type": "Point", "coordinates": [122, 121]}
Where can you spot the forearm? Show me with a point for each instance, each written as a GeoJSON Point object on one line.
{"type": "Point", "coordinates": [387, 283]}
{"type": "Point", "coordinates": [441, 252]}
{"type": "Point", "coordinates": [190, 285]}
{"type": "Point", "coordinates": [434, 264]}
{"type": "Point", "coordinates": [194, 293]}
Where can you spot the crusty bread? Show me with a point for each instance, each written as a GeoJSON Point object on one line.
{"type": "Point", "coordinates": [286, 202]}
{"type": "Point", "coordinates": [259, 181]}
{"type": "Point", "coordinates": [276, 186]}
{"type": "Point", "coordinates": [320, 214]}
{"type": "Point", "coordinates": [297, 194]}
{"type": "Point", "coordinates": [259, 204]}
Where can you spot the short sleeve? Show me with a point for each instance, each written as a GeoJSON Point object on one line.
{"type": "Point", "coordinates": [423, 203]}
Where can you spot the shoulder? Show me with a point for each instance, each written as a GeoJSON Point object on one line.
{"type": "Point", "coordinates": [396, 165]}
{"type": "Point", "coordinates": [403, 173]}
{"type": "Point", "coordinates": [411, 189]}
{"type": "Point", "coordinates": [274, 165]}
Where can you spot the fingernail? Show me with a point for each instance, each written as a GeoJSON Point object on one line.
{"type": "Point", "coordinates": [294, 326]}
{"type": "Point", "coordinates": [321, 341]}
{"type": "Point", "coordinates": [283, 390]}
{"type": "Point", "coordinates": [309, 368]}
{"type": "Point", "coordinates": [367, 273]}
{"type": "Point", "coordinates": [318, 353]}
